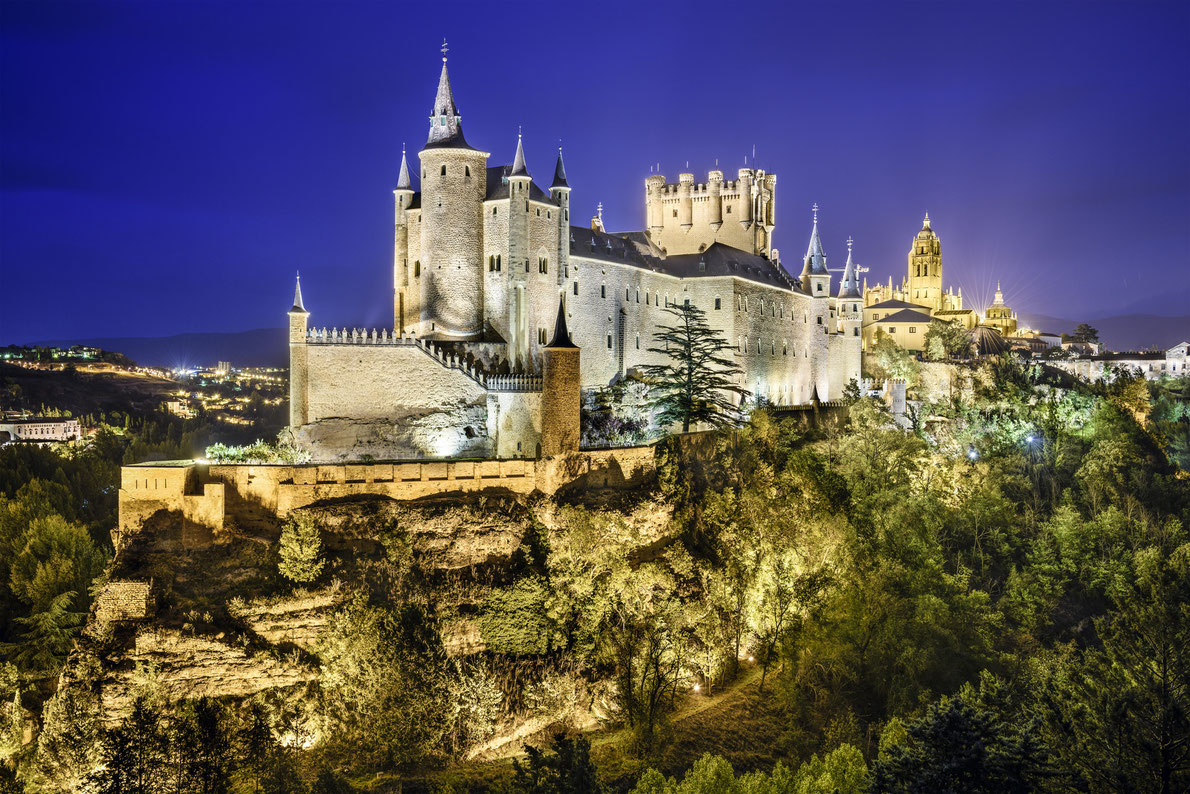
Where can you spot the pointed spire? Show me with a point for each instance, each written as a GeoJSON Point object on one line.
{"type": "Point", "coordinates": [297, 296]}
{"type": "Point", "coordinates": [446, 125]}
{"type": "Point", "coordinates": [403, 182]}
{"type": "Point", "coordinates": [518, 164]}
{"type": "Point", "coordinates": [560, 173]}
{"type": "Point", "coordinates": [849, 288]}
{"type": "Point", "coordinates": [561, 334]}
{"type": "Point", "coordinates": [999, 299]}
{"type": "Point", "coordinates": [815, 258]}
{"type": "Point", "coordinates": [926, 223]}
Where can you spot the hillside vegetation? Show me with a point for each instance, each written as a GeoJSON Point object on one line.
{"type": "Point", "coordinates": [998, 600]}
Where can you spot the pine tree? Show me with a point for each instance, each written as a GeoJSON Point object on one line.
{"type": "Point", "coordinates": [699, 382]}
{"type": "Point", "coordinates": [301, 549]}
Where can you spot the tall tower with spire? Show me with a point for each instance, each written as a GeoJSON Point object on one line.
{"type": "Point", "coordinates": [406, 299]}
{"type": "Point", "coordinates": [924, 279]}
{"type": "Point", "coordinates": [449, 276]}
{"type": "Point", "coordinates": [816, 279]}
{"type": "Point", "coordinates": [298, 359]}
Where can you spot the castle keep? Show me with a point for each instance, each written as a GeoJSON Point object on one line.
{"type": "Point", "coordinates": [503, 310]}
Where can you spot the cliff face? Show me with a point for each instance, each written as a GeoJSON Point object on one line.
{"type": "Point", "coordinates": [184, 618]}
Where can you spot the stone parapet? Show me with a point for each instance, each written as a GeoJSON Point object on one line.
{"type": "Point", "coordinates": [231, 489]}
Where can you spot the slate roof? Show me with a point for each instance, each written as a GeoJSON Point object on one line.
{"type": "Point", "coordinates": [498, 186]}
{"type": "Point", "coordinates": [906, 316]}
{"type": "Point", "coordinates": [560, 172]}
{"type": "Point", "coordinates": [634, 248]}
{"type": "Point", "coordinates": [895, 304]}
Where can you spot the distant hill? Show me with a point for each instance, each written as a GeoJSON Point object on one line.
{"type": "Point", "coordinates": [1122, 332]}
{"type": "Point", "coordinates": [263, 347]}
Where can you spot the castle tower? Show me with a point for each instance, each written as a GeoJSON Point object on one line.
{"type": "Point", "coordinates": [715, 208]}
{"type": "Point", "coordinates": [560, 192]}
{"type": "Point", "coordinates": [924, 281]}
{"type": "Point", "coordinates": [816, 279]}
{"type": "Point", "coordinates": [560, 430]}
{"type": "Point", "coordinates": [453, 186]}
{"type": "Point", "coordinates": [850, 300]}
{"type": "Point", "coordinates": [298, 360]}
{"type": "Point", "coordinates": [519, 182]}
{"type": "Point", "coordinates": [688, 217]}
{"type": "Point", "coordinates": [406, 300]}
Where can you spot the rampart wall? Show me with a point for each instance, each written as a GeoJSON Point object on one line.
{"type": "Point", "coordinates": [206, 495]}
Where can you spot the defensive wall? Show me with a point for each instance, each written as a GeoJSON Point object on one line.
{"type": "Point", "coordinates": [205, 495]}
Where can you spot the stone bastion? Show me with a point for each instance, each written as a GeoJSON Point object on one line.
{"type": "Point", "coordinates": [205, 495]}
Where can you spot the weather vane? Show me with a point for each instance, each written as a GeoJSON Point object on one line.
{"type": "Point", "coordinates": [599, 209]}
{"type": "Point", "coordinates": [849, 242]}
{"type": "Point", "coordinates": [444, 50]}
{"type": "Point", "coordinates": [815, 209]}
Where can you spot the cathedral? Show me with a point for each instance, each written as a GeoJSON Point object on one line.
{"type": "Point", "coordinates": [504, 311]}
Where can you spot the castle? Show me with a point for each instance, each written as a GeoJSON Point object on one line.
{"type": "Point", "coordinates": [504, 311]}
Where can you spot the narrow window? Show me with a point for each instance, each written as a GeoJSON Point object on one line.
{"type": "Point", "coordinates": [417, 268]}
{"type": "Point", "coordinates": [498, 263]}
{"type": "Point", "coordinates": [716, 303]}
{"type": "Point", "coordinates": [638, 295]}
{"type": "Point", "coordinates": [466, 170]}
{"type": "Point", "coordinates": [686, 302]}
{"type": "Point", "coordinates": [820, 319]}
{"type": "Point", "coordinates": [576, 288]}
{"type": "Point", "coordinates": [494, 210]}
{"type": "Point", "coordinates": [626, 295]}
{"type": "Point", "coordinates": [603, 294]}
{"type": "Point", "coordinates": [526, 205]}
{"type": "Point", "coordinates": [539, 212]}
{"type": "Point", "coordinates": [548, 215]}
{"type": "Point", "coordinates": [675, 213]}
{"type": "Point", "coordinates": [609, 341]}
{"type": "Point", "coordinates": [444, 170]}
{"type": "Point", "coordinates": [820, 286]}
{"type": "Point", "coordinates": [638, 341]}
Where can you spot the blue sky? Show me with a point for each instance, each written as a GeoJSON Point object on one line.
{"type": "Point", "coordinates": [167, 166]}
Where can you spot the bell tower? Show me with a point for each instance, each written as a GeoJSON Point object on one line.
{"type": "Point", "coordinates": [924, 279]}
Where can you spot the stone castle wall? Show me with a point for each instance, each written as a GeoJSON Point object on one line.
{"type": "Point", "coordinates": [230, 490]}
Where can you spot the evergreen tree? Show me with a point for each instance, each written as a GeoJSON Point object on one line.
{"type": "Point", "coordinates": [566, 770]}
{"type": "Point", "coordinates": [699, 382]}
{"type": "Point", "coordinates": [207, 751]}
{"type": "Point", "coordinates": [301, 549]}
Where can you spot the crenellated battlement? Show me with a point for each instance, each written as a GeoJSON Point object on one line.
{"type": "Point", "coordinates": [687, 217]}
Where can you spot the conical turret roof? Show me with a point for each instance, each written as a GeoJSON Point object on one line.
{"type": "Point", "coordinates": [560, 172]}
{"type": "Point", "coordinates": [561, 334]}
{"type": "Point", "coordinates": [298, 306]}
{"type": "Point", "coordinates": [815, 263]}
{"type": "Point", "coordinates": [446, 125]}
{"type": "Point", "coordinates": [518, 164]}
{"type": "Point", "coordinates": [403, 182]}
{"type": "Point", "coordinates": [849, 288]}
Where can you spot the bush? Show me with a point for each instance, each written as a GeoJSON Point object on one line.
{"type": "Point", "coordinates": [301, 549]}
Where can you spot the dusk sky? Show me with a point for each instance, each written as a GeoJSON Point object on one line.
{"type": "Point", "coordinates": [167, 166]}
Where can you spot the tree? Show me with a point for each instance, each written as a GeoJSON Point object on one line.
{"type": "Point", "coordinates": [893, 361]}
{"type": "Point", "coordinates": [48, 637]}
{"type": "Point", "coordinates": [698, 383]}
{"type": "Point", "coordinates": [1085, 333]}
{"type": "Point", "coordinates": [1120, 716]}
{"type": "Point", "coordinates": [301, 549]}
{"type": "Point", "coordinates": [959, 746]}
{"type": "Point", "coordinates": [566, 770]}
{"type": "Point", "coordinates": [947, 339]}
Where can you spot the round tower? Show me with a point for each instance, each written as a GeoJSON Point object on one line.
{"type": "Point", "coordinates": [654, 191]}
{"type": "Point", "coordinates": [406, 304]}
{"type": "Point", "coordinates": [560, 192]}
{"type": "Point", "coordinates": [560, 429]}
{"type": "Point", "coordinates": [715, 189]}
{"type": "Point", "coordinates": [298, 361]}
{"type": "Point", "coordinates": [686, 201]}
{"type": "Point", "coordinates": [453, 186]}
